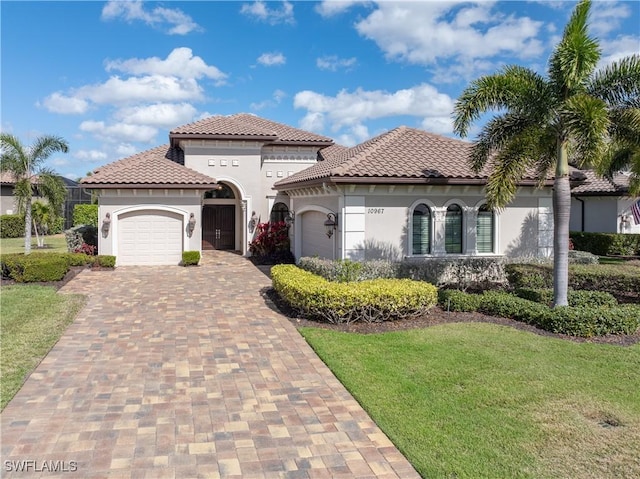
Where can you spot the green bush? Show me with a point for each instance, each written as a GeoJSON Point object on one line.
{"type": "Point", "coordinates": [369, 301]}
{"type": "Point", "coordinates": [57, 226]}
{"type": "Point", "coordinates": [496, 303]}
{"type": "Point", "coordinates": [35, 267]}
{"type": "Point", "coordinates": [11, 226]}
{"type": "Point", "coordinates": [582, 257]}
{"type": "Point", "coordinates": [603, 244]}
{"type": "Point", "coordinates": [85, 214]}
{"type": "Point", "coordinates": [347, 270]}
{"type": "Point", "coordinates": [580, 298]}
{"type": "Point", "coordinates": [589, 321]}
{"type": "Point", "coordinates": [78, 236]}
{"type": "Point", "coordinates": [455, 300]}
{"type": "Point", "coordinates": [105, 261]}
{"type": "Point", "coordinates": [190, 258]}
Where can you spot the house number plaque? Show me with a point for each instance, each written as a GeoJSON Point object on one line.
{"type": "Point", "coordinates": [375, 211]}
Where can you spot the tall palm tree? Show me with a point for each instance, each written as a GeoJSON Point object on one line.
{"type": "Point", "coordinates": [576, 113]}
{"type": "Point", "coordinates": [26, 164]}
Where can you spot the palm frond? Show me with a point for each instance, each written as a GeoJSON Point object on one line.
{"type": "Point", "coordinates": [586, 121]}
{"type": "Point", "coordinates": [53, 189]}
{"type": "Point", "coordinates": [576, 56]}
{"type": "Point", "coordinates": [618, 84]}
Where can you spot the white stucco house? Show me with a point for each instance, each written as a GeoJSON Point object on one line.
{"type": "Point", "coordinates": [602, 205]}
{"type": "Point", "coordinates": [405, 193]}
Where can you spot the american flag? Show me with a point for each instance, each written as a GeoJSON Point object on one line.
{"type": "Point", "coordinates": [635, 211]}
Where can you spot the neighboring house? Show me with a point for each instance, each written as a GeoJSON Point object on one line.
{"type": "Point", "coordinates": [601, 205]}
{"type": "Point", "coordinates": [8, 205]}
{"type": "Point", "coordinates": [405, 193]}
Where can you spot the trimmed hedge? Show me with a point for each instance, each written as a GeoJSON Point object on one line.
{"type": "Point", "coordinates": [584, 321]}
{"type": "Point", "coordinates": [370, 301]}
{"type": "Point", "coordinates": [105, 261]}
{"type": "Point", "coordinates": [609, 278]}
{"type": "Point", "coordinates": [456, 300]}
{"type": "Point", "coordinates": [40, 266]}
{"type": "Point", "coordinates": [575, 298]}
{"type": "Point", "coordinates": [190, 258]}
{"type": "Point", "coordinates": [603, 244]}
{"type": "Point", "coordinates": [85, 214]}
{"type": "Point", "coordinates": [11, 226]}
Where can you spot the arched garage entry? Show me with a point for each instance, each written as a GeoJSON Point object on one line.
{"type": "Point", "coordinates": [314, 240]}
{"type": "Point", "coordinates": [150, 237]}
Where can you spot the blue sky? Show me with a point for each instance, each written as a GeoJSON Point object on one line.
{"type": "Point", "coordinates": [114, 77]}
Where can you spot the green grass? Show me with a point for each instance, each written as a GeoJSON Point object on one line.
{"type": "Point", "coordinates": [470, 400]}
{"type": "Point", "coordinates": [53, 243]}
{"type": "Point", "coordinates": [33, 318]}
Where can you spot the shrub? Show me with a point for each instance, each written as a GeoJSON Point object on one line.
{"type": "Point", "coordinates": [87, 249]}
{"type": "Point", "coordinates": [603, 244]}
{"type": "Point", "coordinates": [78, 235]}
{"type": "Point", "coordinates": [582, 257]}
{"type": "Point", "coordinates": [105, 261]}
{"type": "Point", "coordinates": [534, 276]}
{"type": "Point", "coordinates": [340, 270]}
{"type": "Point", "coordinates": [35, 267]}
{"type": "Point", "coordinates": [589, 321]}
{"type": "Point", "coordinates": [11, 226]}
{"type": "Point", "coordinates": [370, 301]}
{"type": "Point", "coordinates": [57, 226]}
{"type": "Point", "coordinates": [575, 298]}
{"type": "Point", "coordinates": [455, 300]}
{"type": "Point", "coordinates": [190, 258]}
{"type": "Point", "coordinates": [271, 244]}
{"type": "Point", "coordinates": [85, 214]}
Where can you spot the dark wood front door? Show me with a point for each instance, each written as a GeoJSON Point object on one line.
{"type": "Point", "coordinates": [218, 227]}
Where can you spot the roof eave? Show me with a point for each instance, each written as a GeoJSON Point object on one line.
{"type": "Point", "coordinates": [171, 186]}
{"type": "Point", "coordinates": [215, 136]}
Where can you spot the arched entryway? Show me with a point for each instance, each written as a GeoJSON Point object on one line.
{"type": "Point", "coordinates": [219, 218]}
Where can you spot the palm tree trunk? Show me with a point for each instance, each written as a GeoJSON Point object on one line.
{"type": "Point", "coordinates": [561, 212]}
{"type": "Point", "coordinates": [27, 225]}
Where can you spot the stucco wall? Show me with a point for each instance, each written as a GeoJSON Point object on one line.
{"type": "Point", "coordinates": [7, 201]}
{"type": "Point", "coordinates": [600, 215]}
{"type": "Point", "coordinates": [116, 202]}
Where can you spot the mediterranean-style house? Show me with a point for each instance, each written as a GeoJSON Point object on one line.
{"type": "Point", "coordinates": [602, 205]}
{"type": "Point", "coordinates": [403, 194]}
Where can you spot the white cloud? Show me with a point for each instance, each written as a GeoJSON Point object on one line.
{"type": "Point", "coordinates": [330, 8]}
{"type": "Point", "coordinates": [90, 155]}
{"type": "Point", "coordinates": [60, 103]}
{"type": "Point", "coordinates": [332, 62]}
{"type": "Point", "coordinates": [271, 59]}
{"type": "Point", "coordinates": [618, 48]}
{"type": "Point", "coordinates": [126, 149]}
{"type": "Point", "coordinates": [58, 162]}
{"type": "Point", "coordinates": [607, 16]}
{"type": "Point", "coordinates": [179, 63]}
{"type": "Point", "coordinates": [119, 132]}
{"type": "Point", "coordinates": [276, 98]}
{"type": "Point", "coordinates": [260, 11]}
{"type": "Point", "coordinates": [149, 88]}
{"type": "Point", "coordinates": [438, 124]}
{"type": "Point", "coordinates": [72, 176]}
{"type": "Point", "coordinates": [174, 21]}
{"type": "Point", "coordinates": [426, 33]}
{"type": "Point", "coordinates": [165, 115]}
{"type": "Point", "coordinates": [347, 112]}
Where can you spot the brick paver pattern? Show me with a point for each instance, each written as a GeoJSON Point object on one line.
{"type": "Point", "coordinates": [172, 372]}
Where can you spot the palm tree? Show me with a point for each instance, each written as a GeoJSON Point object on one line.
{"type": "Point", "coordinates": [27, 166]}
{"type": "Point", "coordinates": [576, 113]}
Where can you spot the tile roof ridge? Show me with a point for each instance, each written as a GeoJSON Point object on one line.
{"type": "Point", "coordinates": [375, 143]}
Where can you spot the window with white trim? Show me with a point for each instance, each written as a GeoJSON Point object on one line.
{"type": "Point", "coordinates": [421, 222]}
{"type": "Point", "coordinates": [484, 230]}
{"type": "Point", "coordinates": [453, 230]}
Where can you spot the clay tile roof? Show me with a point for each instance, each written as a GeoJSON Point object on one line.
{"type": "Point", "coordinates": [244, 125]}
{"type": "Point", "coordinates": [594, 185]}
{"type": "Point", "coordinates": [406, 153]}
{"type": "Point", "coordinates": [156, 168]}
{"type": "Point", "coordinates": [7, 178]}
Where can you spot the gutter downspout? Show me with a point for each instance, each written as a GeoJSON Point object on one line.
{"type": "Point", "coordinates": [581, 213]}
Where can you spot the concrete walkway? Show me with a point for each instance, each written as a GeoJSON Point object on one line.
{"type": "Point", "coordinates": [188, 373]}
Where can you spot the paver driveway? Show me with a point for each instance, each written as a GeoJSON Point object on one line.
{"type": "Point", "coordinates": [187, 372]}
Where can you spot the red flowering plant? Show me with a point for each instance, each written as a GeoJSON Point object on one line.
{"type": "Point", "coordinates": [87, 249]}
{"type": "Point", "coordinates": [271, 243]}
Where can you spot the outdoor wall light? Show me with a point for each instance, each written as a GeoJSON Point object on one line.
{"type": "Point", "coordinates": [191, 225]}
{"type": "Point", "coordinates": [331, 223]}
{"type": "Point", "coordinates": [253, 221]}
{"type": "Point", "coordinates": [106, 225]}
{"type": "Point", "coordinates": [290, 218]}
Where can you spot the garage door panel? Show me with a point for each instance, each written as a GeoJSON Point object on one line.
{"type": "Point", "coordinates": [314, 238]}
{"type": "Point", "coordinates": [149, 237]}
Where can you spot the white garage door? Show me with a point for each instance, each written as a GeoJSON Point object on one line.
{"type": "Point", "coordinates": [314, 237]}
{"type": "Point", "coordinates": [149, 237]}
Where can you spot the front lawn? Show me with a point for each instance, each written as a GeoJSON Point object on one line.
{"type": "Point", "coordinates": [53, 243]}
{"type": "Point", "coordinates": [471, 400]}
{"type": "Point", "coordinates": [33, 318]}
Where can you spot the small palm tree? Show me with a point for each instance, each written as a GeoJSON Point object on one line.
{"type": "Point", "coordinates": [43, 215]}
{"type": "Point", "coordinates": [576, 113]}
{"type": "Point", "coordinates": [27, 166]}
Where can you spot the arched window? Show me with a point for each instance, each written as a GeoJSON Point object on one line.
{"type": "Point", "coordinates": [223, 192]}
{"type": "Point", "coordinates": [278, 213]}
{"type": "Point", "coordinates": [453, 230]}
{"type": "Point", "coordinates": [484, 230]}
{"type": "Point", "coordinates": [421, 241]}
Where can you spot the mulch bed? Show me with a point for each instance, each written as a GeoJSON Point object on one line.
{"type": "Point", "coordinates": [435, 317]}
